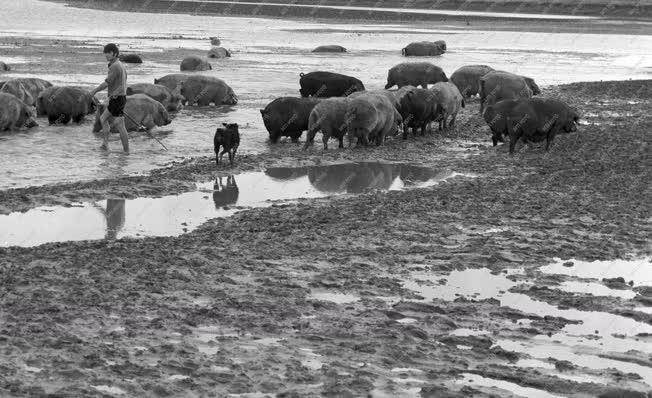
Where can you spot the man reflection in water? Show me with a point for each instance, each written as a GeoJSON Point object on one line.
{"type": "Point", "coordinates": [115, 217]}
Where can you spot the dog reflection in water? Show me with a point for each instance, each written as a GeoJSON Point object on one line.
{"type": "Point", "coordinates": [115, 217]}
{"type": "Point", "coordinates": [225, 194]}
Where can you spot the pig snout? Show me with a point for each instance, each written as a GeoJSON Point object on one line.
{"type": "Point", "coordinates": [31, 123]}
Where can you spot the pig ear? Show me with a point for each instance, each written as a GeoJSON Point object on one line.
{"type": "Point", "coordinates": [225, 124]}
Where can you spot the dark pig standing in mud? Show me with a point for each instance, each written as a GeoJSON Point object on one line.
{"type": "Point", "coordinates": [140, 111]}
{"type": "Point", "coordinates": [500, 85]}
{"type": "Point", "coordinates": [170, 100]}
{"type": "Point", "coordinates": [206, 90]}
{"type": "Point", "coordinates": [424, 48]}
{"type": "Point", "coordinates": [328, 84]}
{"type": "Point", "coordinates": [61, 104]}
{"type": "Point", "coordinates": [495, 116]}
{"type": "Point", "coordinates": [467, 78]}
{"type": "Point", "coordinates": [370, 118]}
{"type": "Point", "coordinates": [195, 63]}
{"type": "Point", "coordinates": [415, 74]}
{"type": "Point", "coordinates": [329, 117]}
{"type": "Point", "coordinates": [287, 117]}
{"type": "Point", "coordinates": [449, 101]}
{"type": "Point", "coordinates": [228, 137]}
{"type": "Point", "coordinates": [536, 119]}
{"type": "Point", "coordinates": [418, 110]}
{"type": "Point", "coordinates": [14, 114]}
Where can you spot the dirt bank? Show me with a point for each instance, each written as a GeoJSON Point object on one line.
{"type": "Point", "coordinates": [309, 299]}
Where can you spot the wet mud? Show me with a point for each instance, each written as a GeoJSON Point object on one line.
{"type": "Point", "coordinates": [374, 293]}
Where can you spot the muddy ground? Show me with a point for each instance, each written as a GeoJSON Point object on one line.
{"type": "Point", "coordinates": [234, 307]}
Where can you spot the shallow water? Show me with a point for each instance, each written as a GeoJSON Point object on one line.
{"type": "Point", "coordinates": [268, 55]}
{"type": "Point", "coordinates": [475, 380]}
{"type": "Point", "coordinates": [639, 270]}
{"type": "Point", "coordinates": [173, 215]}
{"type": "Point", "coordinates": [570, 344]}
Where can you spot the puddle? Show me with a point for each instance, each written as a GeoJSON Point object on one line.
{"type": "Point", "coordinates": [33, 369]}
{"type": "Point", "coordinates": [109, 390]}
{"type": "Point", "coordinates": [543, 348]}
{"type": "Point", "coordinates": [468, 332]}
{"type": "Point", "coordinates": [476, 283]}
{"type": "Point", "coordinates": [312, 361]}
{"type": "Point", "coordinates": [475, 380]}
{"type": "Point", "coordinates": [339, 298]}
{"type": "Point", "coordinates": [639, 271]}
{"type": "Point", "coordinates": [481, 284]}
{"type": "Point", "coordinates": [595, 289]}
{"type": "Point", "coordinates": [177, 214]}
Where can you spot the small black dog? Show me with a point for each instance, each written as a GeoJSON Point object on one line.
{"type": "Point", "coordinates": [228, 137]}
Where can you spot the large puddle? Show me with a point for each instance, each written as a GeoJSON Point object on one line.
{"type": "Point", "coordinates": [585, 344]}
{"type": "Point", "coordinates": [116, 218]}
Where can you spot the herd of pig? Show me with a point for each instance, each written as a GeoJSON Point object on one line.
{"type": "Point", "coordinates": [331, 103]}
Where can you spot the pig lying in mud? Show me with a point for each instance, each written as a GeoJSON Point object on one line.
{"type": "Point", "coordinates": [424, 48]}
{"type": "Point", "coordinates": [415, 74]}
{"type": "Point", "coordinates": [172, 101]}
{"type": "Point", "coordinates": [329, 117]}
{"type": "Point", "coordinates": [195, 63]}
{"type": "Point", "coordinates": [130, 58]}
{"type": "Point", "coordinates": [140, 111]}
{"type": "Point", "coordinates": [328, 84]}
{"type": "Point", "coordinates": [61, 104]}
{"type": "Point", "coordinates": [536, 119]}
{"type": "Point", "coordinates": [218, 52]}
{"type": "Point", "coordinates": [206, 90]}
{"type": "Point", "coordinates": [14, 114]}
{"type": "Point", "coordinates": [370, 118]}
{"type": "Point", "coordinates": [16, 88]}
{"type": "Point", "coordinates": [32, 85]}
{"type": "Point", "coordinates": [329, 49]}
{"type": "Point", "coordinates": [172, 81]}
{"type": "Point", "coordinates": [287, 117]}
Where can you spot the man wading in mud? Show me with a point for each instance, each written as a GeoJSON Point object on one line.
{"type": "Point", "coordinates": [116, 82]}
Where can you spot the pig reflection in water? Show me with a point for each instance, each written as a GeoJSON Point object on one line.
{"type": "Point", "coordinates": [115, 217]}
{"type": "Point", "coordinates": [354, 177]}
{"type": "Point", "coordinates": [224, 195]}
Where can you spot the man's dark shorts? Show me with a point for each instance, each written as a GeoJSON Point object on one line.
{"type": "Point", "coordinates": [117, 105]}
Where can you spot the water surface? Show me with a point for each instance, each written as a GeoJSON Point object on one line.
{"type": "Point", "coordinates": [268, 55]}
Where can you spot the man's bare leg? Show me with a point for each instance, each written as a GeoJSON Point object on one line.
{"type": "Point", "coordinates": [106, 130]}
{"type": "Point", "coordinates": [119, 124]}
